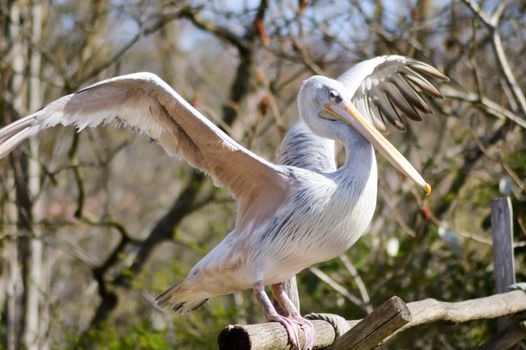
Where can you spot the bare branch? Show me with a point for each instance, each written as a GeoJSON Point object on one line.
{"type": "Point", "coordinates": [359, 282]}
{"type": "Point", "coordinates": [485, 103]}
{"type": "Point", "coordinates": [341, 290]}
{"type": "Point", "coordinates": [492, 23]}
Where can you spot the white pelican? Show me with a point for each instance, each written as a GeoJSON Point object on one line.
{"type": "Point", "coordinates": [290, 216]}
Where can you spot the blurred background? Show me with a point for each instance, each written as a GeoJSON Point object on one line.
{"type": "Point", "coordinates": [95, 224]}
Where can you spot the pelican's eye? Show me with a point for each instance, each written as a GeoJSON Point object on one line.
{"type": "Point", "coordinates": [334, 97]}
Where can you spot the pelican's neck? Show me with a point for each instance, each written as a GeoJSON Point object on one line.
{"type": "Point", "coordinates": [359, 154]}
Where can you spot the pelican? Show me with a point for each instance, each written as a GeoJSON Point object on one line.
{"type": "Point", "coordinates": [291, 215]}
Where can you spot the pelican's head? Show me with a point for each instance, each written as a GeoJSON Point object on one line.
{"type": "Point", "coordinates": [325, 105]}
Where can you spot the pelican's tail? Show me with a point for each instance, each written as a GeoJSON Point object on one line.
{"type": "Point", "coordinates": [182, 297]}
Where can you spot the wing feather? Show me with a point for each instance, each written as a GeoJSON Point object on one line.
{"type": "Point", "coordinates": [387, 88]}
{"type": "Point", "coordinates": [396, 98]}
{"type": "Point", "coordinates": [147, 104]}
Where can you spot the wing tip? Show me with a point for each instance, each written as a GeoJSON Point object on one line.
{"type": "Point", "coordinates": [428, 70]}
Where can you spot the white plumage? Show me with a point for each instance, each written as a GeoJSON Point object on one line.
{"type": "Point", "coordinates": [290, 216]}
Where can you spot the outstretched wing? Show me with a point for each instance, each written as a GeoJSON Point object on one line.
{"type": "Point", "coordinates": [147, 104]}
{"type": "Point", "coordinates": [302, 148]}
{"type": "Point", "coordinates": [386, 88]}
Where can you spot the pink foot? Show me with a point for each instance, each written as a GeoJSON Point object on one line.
{"type": "Point", "coordinates": [293, 314]}
{"type": "Point", "coordinates": [292, 322]}
{"type": "Point", "coordinates": [308, 331]}
{"type": "Point", "coordinates": [291, 327]}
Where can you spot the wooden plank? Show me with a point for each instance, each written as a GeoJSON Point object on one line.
{"type": "Point", "coordinates": [385, 320]}
{"type": "Point", "coordinates": [503, 258]}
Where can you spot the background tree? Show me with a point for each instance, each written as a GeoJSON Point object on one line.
{"type": "Point", "coordinates": [95, 224]}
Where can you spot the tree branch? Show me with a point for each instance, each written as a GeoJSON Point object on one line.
{"type": "Point", "coordinates": [492, 23]}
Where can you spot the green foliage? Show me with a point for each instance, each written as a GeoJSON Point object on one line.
{"type": "Point", "coordinates": [517, 161]}
{"type": "Point", "coordinates": [138, 334]}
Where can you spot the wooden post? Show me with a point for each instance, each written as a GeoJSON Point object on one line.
{"type": "Point", "coordinates": [291, 288]}
{"type": "Point", "coordinates": [503, 258]}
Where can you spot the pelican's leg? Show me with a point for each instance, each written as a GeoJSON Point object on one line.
{"type": "Point", "coordinates": [272, 315]}
{"type": "Point", "coordinates": [292, 313]}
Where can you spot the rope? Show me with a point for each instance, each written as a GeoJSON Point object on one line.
{"type": "Point", "coordinates": [337, 322]}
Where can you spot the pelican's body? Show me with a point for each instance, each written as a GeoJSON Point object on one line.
{"type": "Point", "coordinates": [324, 215]}
{"type": "Point", "coordinates": [290, 215]}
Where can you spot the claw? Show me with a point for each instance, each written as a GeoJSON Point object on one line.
{"type": "Point", "coordinates": [308, 331]}
{"type": "Point", "coordinates": [291, 327]}
{"type": "Point", "coordinates": [292, 322]}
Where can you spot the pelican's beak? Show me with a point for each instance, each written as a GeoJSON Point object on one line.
{"type": "Point", "coordinates": [349, 114]}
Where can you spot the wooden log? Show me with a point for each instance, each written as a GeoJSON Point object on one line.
{"type": "Point", "coordinates": [272, 335]}
{"type": "Point", "coordinates": [497, 305]}
{"type": "Point", "coordinates": [385, 320]}
{"type": "Point", "coordinates": [503, 259]}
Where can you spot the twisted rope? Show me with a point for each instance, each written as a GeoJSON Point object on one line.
{"type": "Point", "coordinates": [337, 322]}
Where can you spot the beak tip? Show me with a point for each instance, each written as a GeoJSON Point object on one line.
{"type": "Point", "coordinates": [427, 188]}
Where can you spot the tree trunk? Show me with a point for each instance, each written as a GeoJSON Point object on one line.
{"type": "Point", "coordinates": [16, 59]}
{"type": "Point", "coordinates": [35, 273]}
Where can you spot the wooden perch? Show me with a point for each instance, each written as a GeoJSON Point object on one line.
{"type": "Point", "coordinates": [272, 335]}
{"type": "Point", "coordinates": [377, 326]}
